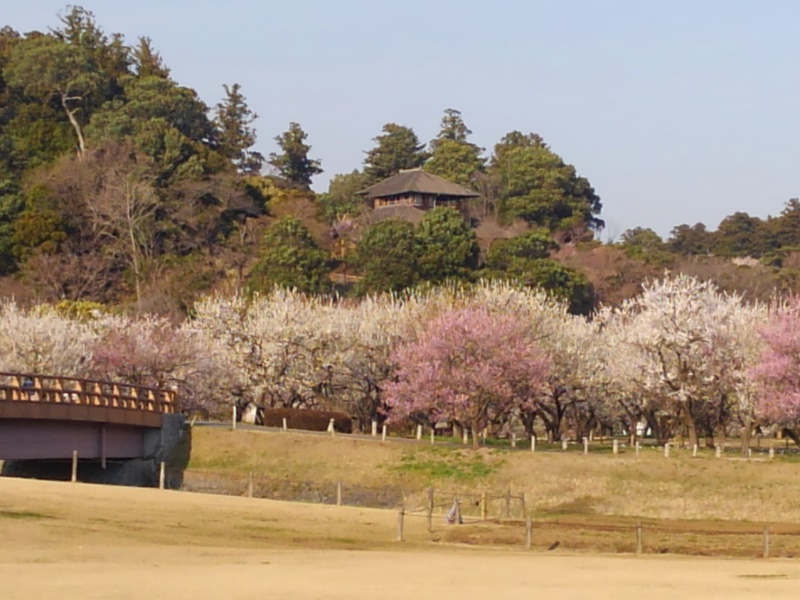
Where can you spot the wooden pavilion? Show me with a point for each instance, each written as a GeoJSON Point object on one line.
{"type": "Point", "coordinates": [417, 189]}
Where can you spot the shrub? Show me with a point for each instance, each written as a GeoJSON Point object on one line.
{"type": "Point", "coordinates": [310, 420]}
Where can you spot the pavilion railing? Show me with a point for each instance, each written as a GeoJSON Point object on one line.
{"type": "Point", "coordinates": [30, 387]}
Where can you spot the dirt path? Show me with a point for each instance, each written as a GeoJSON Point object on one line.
{"type": "Point", "coordinates": [82, 542]}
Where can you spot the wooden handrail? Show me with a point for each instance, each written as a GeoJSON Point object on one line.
{"type": "Point", "coordinates": [35, 387]}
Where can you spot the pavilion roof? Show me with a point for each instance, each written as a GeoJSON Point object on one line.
{"type": "Point", "coordinates": [418, 181]}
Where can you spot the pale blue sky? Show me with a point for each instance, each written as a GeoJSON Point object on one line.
{"type": "Point", "coordinates": [676, 111]}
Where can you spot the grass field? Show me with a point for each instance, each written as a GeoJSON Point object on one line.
{"type": "Point", "coordinates": [554, 484]}
{"type": "Point", "coordinates": [78, 541]}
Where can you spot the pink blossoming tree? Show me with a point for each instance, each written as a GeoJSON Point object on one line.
{"type": "Point", "coordinates": [777, 373]}
{"type": "Point", "coordinates": [468, 365]}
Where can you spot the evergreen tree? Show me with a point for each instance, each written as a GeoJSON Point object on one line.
{"type": "Point", "coordinates": [690, 239]}
{"type": "Point", "coordinates": [290, 258]}
{"type": "Point", "coordinates": [452, 156]}
{"type": "Point", "coordinates": [452, 128]}
{"type": "Point", "coordinates": [740, 234]}
{"type": "Point", "coordinates": [235, 137]}
{"type": "Point", "coordinates": [387, 257]}
{"type": "Point", "coordinates": [397, 149]}
{"type": "Point", "coordinates": [48, 69]}
{"type": "Point", "coordinates": [147, 61]}
{"type": "Point", "coordinates": [448, 247]}
{"type": "Point", "coordinates": [506, 255]}
{"type": "Point", "coordinates": [537, 186]}
{"type": "Point", "coordinates": [341, 200]}
{"type": "Point", "coordinates": [293, 163]}
{"type": "Point", "coordinates": [787, 225]}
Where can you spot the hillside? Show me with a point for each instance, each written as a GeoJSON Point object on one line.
{"type": "Point", "coordinates": [552, 481]}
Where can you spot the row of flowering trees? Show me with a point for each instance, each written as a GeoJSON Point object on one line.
{"type": "Point", "coordinates": [681, 357]}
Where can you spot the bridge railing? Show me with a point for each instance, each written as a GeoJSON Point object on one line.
{"type": "Point", "coordinates": [25, 387]}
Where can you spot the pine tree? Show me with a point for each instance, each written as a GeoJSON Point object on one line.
{"type": "Point", "coordinates": [452, 156]}
{"type": "Point", "coordinates": [148, 62]}
{"type": "Point", "coordinates": [293, 163]}
{"type": "Point", "coordinates": [234, 135]}
{"type": "Point", "coordinates": [398, 148]}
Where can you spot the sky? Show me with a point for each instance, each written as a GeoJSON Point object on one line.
{"type": "Point", "coordinates": [678, 111]}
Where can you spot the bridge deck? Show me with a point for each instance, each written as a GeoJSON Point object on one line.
{"type": "Point", "coordinates": [44, 397]}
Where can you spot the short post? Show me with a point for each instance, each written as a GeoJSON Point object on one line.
{"type": "Point", "coordinates": [694, 451]}
{"type": "Point", "coordinates": [162, 475]}
{"type": "Point", "coordinates": [465, 439]}
{"type": "Point", "coordinates": [74, 477]}
{"type": "Point", "coordinates": [637, 448]}
{"type": "Point", "coordinates": [374, 428]}
{"type": "Point", "coordinates": [771, 453]}
{"type": "Point", "coordinates": [383, 434]}
{"type": "Point", "coordinates": [586, 445]}
{"type": "Point", "coordinates": [339, 493]}
{"type": "Point", "coordinates": [484, 507]}
{"type": "Point", "coordinates": [233, 419]}
{"type": "Point", "coordinates": [419, 432]}
{"type": "Point", "coordinates": [513, 440]}
{"type": "Point", "coordinates": [331, 428]}
{"type": "Point", "coordinates": [639, 539]}
{"type": "Point", "coordinates": [766, 541]}
{"type": "Point", "coordinates": [564, 445]}
{"type": "Point", "coordinates": [533, 443]}
{"type": "Point", "coordinates": [528, 532]}
{"type": "Point", "coordinates": [433, 436]}
{"type": "Point", "coordinates": [508, 503]}
{"type": "Point", "coordinates": [400, 519]}
{"type": "Point", "coordinates": [284, 424]}
{"type": "Point", "coordinates": [615, 445]}
{"type": "Point", "coordinates": [749, 453]}
{"type": "Point", "coordinates": [666, 450]}
{"type": "Point", "coordinates": [718, 451]}
{"type": "Point", "coordinates": [250, 485]}
{"type": "Point", "coordinates": [430, 509]}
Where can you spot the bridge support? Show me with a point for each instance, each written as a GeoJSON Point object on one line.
{"type": "Point", "coordinates": [108, 453]}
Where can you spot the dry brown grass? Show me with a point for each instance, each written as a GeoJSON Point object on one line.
{"type": "Point", "coordinates": [86, 542]}
{"type": "Point", "coordinates": [648, 486]}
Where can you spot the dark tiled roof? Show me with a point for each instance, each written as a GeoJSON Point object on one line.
{"type": "Point", "coordinates": [416, 180]}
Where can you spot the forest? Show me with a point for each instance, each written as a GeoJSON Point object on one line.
{"type": "Point", "coordinates": [120, 186]}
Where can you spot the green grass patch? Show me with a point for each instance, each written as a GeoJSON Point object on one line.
{"type": "Point", "coordinates": [445, 464]}
{"type": "Point", "coordinates": [23, 514]}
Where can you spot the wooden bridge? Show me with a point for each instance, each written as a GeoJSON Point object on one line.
{"type": "Point", "coordinates": [49, 417]}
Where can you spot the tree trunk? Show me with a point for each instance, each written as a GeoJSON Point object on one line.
{"type": "Point", "coordinates": [75, 125]}
{"type": "Point", "coordinates": [691, 426]}
{"type": "Point", "coordinates": [747, 432]}
{"type": "Point", "coordinates": [792, 435]}
{"type": "Point", "coordinates": [475, 443]}
{"type": "Point", "coordinates": [528, 421]}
